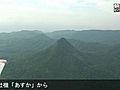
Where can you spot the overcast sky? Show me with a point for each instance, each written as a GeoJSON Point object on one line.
{"type": "Point", "coordinates": [51, 15]}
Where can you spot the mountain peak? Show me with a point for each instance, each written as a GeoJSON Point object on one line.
{"type": "Point", "coordinates": [62, 45]}
{"type": "Point", "coordinates": [62, 40]}
{"type": "Point", "coordinates": [59, 49]}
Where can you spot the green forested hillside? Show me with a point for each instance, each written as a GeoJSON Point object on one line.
{"type": "Point", "coordinates": [24, 34]}
{"type": "Point", "coordinates": [34, 55]}
{"type": "Point", "coordinates": [62, 61]}
{"type": "Point", "coordinates": [89, 47]}
{"type": "Point", "coordinates": [24, 42]}
{"type": "Point", "coordinates": [58, 34]}
{"type": "Point", "coordinates": [110, 37]}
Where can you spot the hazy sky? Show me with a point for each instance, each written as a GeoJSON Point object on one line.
{"type": "Point", "coordinates": [51, 15]}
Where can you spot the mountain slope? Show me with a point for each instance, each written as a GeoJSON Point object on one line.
{"type": "Point", "coordinates": [59, 34]}
{"type": "Point", "coordinates": [89, 47]}
{"type": "Point", "coordinates": [111, 60]}
{"type": "Point", "coordinates": [54, 62]}
{"type": "Point", "coordinates": [59, 61]}
{"type": "Point", "coordinates": [110, 37]}
{"type": "Point", "coordinates": [24, 34]}
{"type": "Point", "coordinates": [26, 45]}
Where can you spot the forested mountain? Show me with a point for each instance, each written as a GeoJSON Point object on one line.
{"type": "Point", "coordinates": [115, 49]}
{"type": "Point", "coordinates": [61, 55]}
{"type": "Point", "coordinates": [61, 61]}
{"type": "Point", "coordinates": [110, 37]}
{"type": "Point", "coordinates": [30, 41]}
{"type": "Point", "coordinates": [64, 33]}
{"type": "Point", "coordinates": [24, 42]}
{"type": "Point", "coordinates": [24, 34]}
{"type": "Point", "coordinates": [91, 47]}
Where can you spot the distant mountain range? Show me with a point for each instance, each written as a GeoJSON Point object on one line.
{"type": "Point", "coordinates": [109, 37]}
{"type": "Point", "coordinates": [59, 55]}
{"type": "Point", "coordinates": [23, 42]}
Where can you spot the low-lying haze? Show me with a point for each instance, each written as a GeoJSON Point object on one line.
{"type": "Point", "coordinates": [51, 15]}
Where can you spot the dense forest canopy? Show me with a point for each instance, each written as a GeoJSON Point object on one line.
{"type": "Point", "coordinates": [68, 54]}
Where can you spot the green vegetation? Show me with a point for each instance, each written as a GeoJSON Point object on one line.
{"type": "Point", "coordinates": [37, 56]}
{"type": "Point", "coordinates": [110, 37]}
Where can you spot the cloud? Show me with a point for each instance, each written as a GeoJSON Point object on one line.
{"type": "Point", "coordinates": [55, 14]}
{"type": "Point", "coordinates": [52, 5]}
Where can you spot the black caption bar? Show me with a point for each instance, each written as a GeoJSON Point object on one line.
{"type": "Point", "coordinates": [60, 84]}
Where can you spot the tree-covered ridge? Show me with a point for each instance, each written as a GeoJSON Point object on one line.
{"type": "Point", "coordinates": [62, 61]}
{"type": "Point", "coordinates": [39, 56]}
{"type": "Point", "coordinates": [110, 37]}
